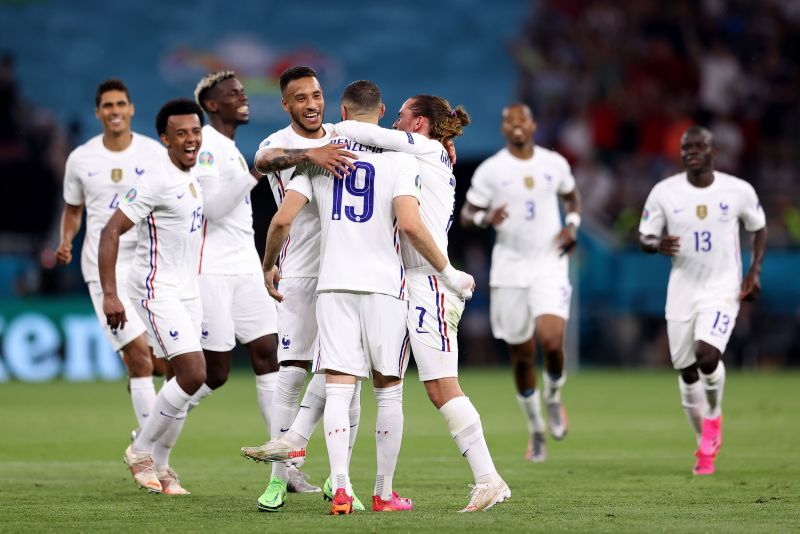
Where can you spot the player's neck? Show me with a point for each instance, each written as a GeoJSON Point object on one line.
{"type": "Point", "coordinates": [702, 178]}
{"type": "Point", "coordinates": [302, 132]}
{"type": "Point", "coordinates": [226, 129]}
{"type": "Point", "coordinates": [117, 142]}
{"type": "Point", "coordinates": [521, 151]}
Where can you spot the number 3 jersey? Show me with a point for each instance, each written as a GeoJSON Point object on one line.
{"type": "Point", "coordinates": [167, 208]}
{"type": "Point", "coordinates": [707, 270]}
{"type": "Point", "coordinates": [526, 244]}
{"type": "Point", "coordinates": [99, 178]}
{"type": "Point", "coordinates": [360, 246]}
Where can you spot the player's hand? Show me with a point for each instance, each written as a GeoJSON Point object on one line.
{"type": "Point", "coordinates": [669, 245]}
{"type": "Point", "coordinates": [751, 287]}
{"type": "Point", "coordinates": [114, 312]}
{"type": "Point", "coordinates": [333, 158]}
{"type": "Point", "coordinates": [567, 239]}
{"type": "Point", "coordinates": [450, 146]}
{"type": "Point", "coordinates": [497, 215]}
{"type": "Point", "coordinates": [458, 281]}
{"type": "Point", "coordinates": [64, 253]}
{"type": "Point", "coordinates": [271, 279]}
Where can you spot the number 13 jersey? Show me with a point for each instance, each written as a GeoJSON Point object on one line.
{"type": "Point", "coordinates": [707, 270]}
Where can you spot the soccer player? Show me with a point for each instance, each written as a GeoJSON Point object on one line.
{"type": "Point", "coordinates": [166, 206]}
{"type": "Point", "coordinates": [98, 174]}
{"type": "Point", "coordinates": [693, 217]}
{"type": "Point", "coordinates": [517, 191]}
{"type": "Point", "coordinates": [306, 139]}
{"type": "Point", "coordinates": [361, 311]}
{"type": "Point", "coordinates": [423, 128]}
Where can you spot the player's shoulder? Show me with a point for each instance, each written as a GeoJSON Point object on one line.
{"type": "Point", "coordinates": [147, 143]}
{"type": "Point", "coordinates": [547, 155]}
{"type": "Point", "coordinates": [733, 182]}
{"type": "Point", "coordinates": [670, 183]}
{"type": "Point", "coordinates": [91, 148]}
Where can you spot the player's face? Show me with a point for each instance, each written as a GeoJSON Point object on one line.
{"type": "Point", "coordinates": [696, 151]}
{"type": "Point", "coordinates": [406, 121]}
{"type": "Point", "coordinates": [518, 125]}
{"type": "Point", "coordinates": [304, 103]}
{"type": "Point", "coordinates": [231, 101]}
{"type": "Point", "coordinates": [115, 112]}
{"type": "Point", "coordinates": [183, 139]}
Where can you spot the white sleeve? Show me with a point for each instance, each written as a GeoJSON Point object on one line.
{"type": "Point", "coordinates": [142, 198]}
{"type": "Point", "coordinates": [408, 178]}
{"type": "Point", "coordinates": [480, 190]}
{"type": "Point", "coordinates": [752, 214]}
{"type": "Point", "coordinates": [73, 187]}
{"type": "Point", "coordinates": [301, 183]}
{"type": "Point", "coordinates": [653, 219]}
{"type": "Point", "coordinates": [373, 135]}
{"type": "Point", "coordinates": [567, 183]}
{"type": "Point", "coordinates": [221, 195]}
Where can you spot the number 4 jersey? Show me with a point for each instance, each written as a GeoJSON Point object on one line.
{"type": "Point", "coordinates": [707, 270]}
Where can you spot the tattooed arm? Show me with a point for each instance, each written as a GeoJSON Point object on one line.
{"type": "Point", "coordinates": [329, 157]}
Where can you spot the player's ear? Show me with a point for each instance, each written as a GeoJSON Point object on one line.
{"type": "Point", "coordinates": [383, 110]}
{"type": "Point", "coordinates": [533, 130]}
{"type": "Point", "coordinates": [133, 109]}
{"type": "Point", "coordinates": [164, 140]}
{"type": "Point", "coordinates": [343, 112]}
{"type": "Point", "coordinates": [285, 105]}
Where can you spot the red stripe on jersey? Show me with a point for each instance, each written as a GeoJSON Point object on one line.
{"type": "Point", "coordinates": [202, 247]}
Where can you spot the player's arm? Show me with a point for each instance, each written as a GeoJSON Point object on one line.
{"type": "Point", "coordinates": [652, 237]}
{"type": "Point", "coordinates": [568, 236]}
{"type": "Point", "coordinates": [278, 231]}
{"type": "Point", "coordinates": [117, 225]}
{"type": "Point", "coordinates": [473, 216]}
{"type": "Point", "coordinates": [406, 208]}
{"type": "Point", "coordinates": [374, 135]}
{"type": "Point", "coordinates": [70, 226]}
{"type": "Point", "coordinates": [220, 198]}
{"type": "Point", "coordinates": [331, 157]}
{"type": "Point", "coordinates": [751, 285]}
{"type": "Point", "coordinates": [667, 245]}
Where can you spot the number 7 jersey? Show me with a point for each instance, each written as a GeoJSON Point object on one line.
{"type": "Point", "coordinates": [707, 271]}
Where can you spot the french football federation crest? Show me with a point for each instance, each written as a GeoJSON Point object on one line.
{"type": "Point", "coordinates": [529, 183]}
{"type": "Point", "coordinates": [193, 190]}
{"type": "Point", "coordinates": [702, 211]}
{"type": "Point", "coordinates": [116, 175]}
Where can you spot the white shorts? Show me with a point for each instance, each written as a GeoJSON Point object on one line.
{"type": "Point", "coordinates": [713, 326]}
{"type": "Point", "coordinates": [514, 310]}
{"type": "Point", "coordinates": [297, 319]}
{"type": "Point", "coordinates": [118, 337]}
{"type": "Point", "coordinates": [235, 307]}
{"type": "Point", "coordinates": [173, 326]}
{"type": "Point", "coordinates": [360, 332]}
{"type": "Point", "coordinates": [433, 315]}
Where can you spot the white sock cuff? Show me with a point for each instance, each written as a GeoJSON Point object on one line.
{"type": "Point", "coordinates": [460, 414]}
{"type": "Point", "coordinates": [689, 388]}
{"type": "Point", "coordinates": [316, 386]}
{"type": "Point", "coordinates": [142, 382]}
{"type": "Point", "coordinates": [290, 382]}
{"type": "Point", "coordinates": [174, 395]}
{"type": "Point", "coordinates": [549, 382]}
{"type": "Point", "coordinates": [714, 375]}
{"type": "Point", "coordinates": [393, 394]}
{"type": "Point", "coordinates": [522, 399]}
{"type": "Point", "coordinates": [267, 381]}
{"type": "Point", "coordinates": [339, 389]}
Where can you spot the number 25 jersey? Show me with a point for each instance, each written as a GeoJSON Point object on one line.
{"type": "Point", "coordinates": [707, 270]}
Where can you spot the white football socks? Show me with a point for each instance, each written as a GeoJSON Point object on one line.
{"type": "Point", "coordinates": [337, 432]}
{"type": "Point", "coordinates": [310, 413]}
{"type": "Point", "coordinates": [355, 418]}
{"type": "Point", "coordinates": [693, 400]}
{"type": "Point", "coordinates": [284, 408]}
{"type": "Point", "coordinates": [143, 395]}
{"type": "Point", "coordinates": [170, 402]}
{"type": "Point", "coordinates": [552, 388]}
{"type": "Point", "coordinates": [465, 427]}
{"type": "Point", "coordinates": [198, 396]}
{"type": "Point", "coordinates": [532, 409]}
{"type": "Point", "coordinates": [388, 437]}
{"type": "Point", "coordinates": [265, 388]}
{"type": "Point", "coordinates": [714, 384]}
{"type": "Point", "coordinates": [163, 447]}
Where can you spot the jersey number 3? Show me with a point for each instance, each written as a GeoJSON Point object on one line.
{"type": "Point", "coordinates": [365, 191]}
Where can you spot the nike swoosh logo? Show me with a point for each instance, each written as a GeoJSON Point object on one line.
{"type": "Point", "coordinates": [94, 173]}
{"type": "Point", "coordinates": [305, 406]}
{"type": "Point", "coordinates": [166, 415]}
{"type": "Point", "coordinates": [285, 429]}
{"type": "Point", "coordinates": [181, 195]}
{"type": "Point", "coordinates": [678, 210]}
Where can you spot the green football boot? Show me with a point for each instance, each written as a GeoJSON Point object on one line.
{"type": "Point", "coordinates": [327, 494]}
{"type": "Point", "coordinates": [274, 497]}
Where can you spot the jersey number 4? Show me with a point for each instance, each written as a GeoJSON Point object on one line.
{"type": "Point", "coordinates": [365, 191]}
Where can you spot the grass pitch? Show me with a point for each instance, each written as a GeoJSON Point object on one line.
{"type": "Point", "coordinates": [625, 465]}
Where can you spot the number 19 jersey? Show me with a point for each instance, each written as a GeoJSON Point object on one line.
{"type": "Point", "coordinates": [360, 245]}
{"type": "Point", "coordinates": [707, 270]}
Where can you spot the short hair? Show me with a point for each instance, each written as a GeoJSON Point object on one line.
{"type": "Point", "coordinates": [180, 106]}
{"type": "Point", "coordinates": [362, 95]}
{"type": "Point", "coordinates": [446, 122]}
{"type": "Point", "coordinates": [295, 73]}
{"type": "Point", "coordinates": [112, 84]}
{"type": "Point", "coordinates": [208, 82]}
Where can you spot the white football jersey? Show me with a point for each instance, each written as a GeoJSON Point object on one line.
{"type": "Point", "coordinates": [98, 178]}
{"type": "Point", "coordinates": [707, 270]}
{"type": "Point", "coordinates": [299, 257]}
{"type": "Point", "coordinates": [438, 182]}
{"type": "Point", "coordinates": [360, 238]}
{"type": "Point", "coordinates": [228, 245]}
{"type": "Point", "coordinates": [169, 204]}
{"type": "Point", "coordinates": [525, 245]}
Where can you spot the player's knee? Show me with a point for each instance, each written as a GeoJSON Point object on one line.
{"type": "Point", "coordinates": [707, 357]}
{"type": "Point", "coordinates": [551, 343]}
{"type": "Point", "coordinates": [215, 381]}
{"type": "Point", "coordinates": [137, 360]}
{"type": "Point", "coordinates": [690, 375]}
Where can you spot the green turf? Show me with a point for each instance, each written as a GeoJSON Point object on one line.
{"type": "Point", "coordinates": [625, 466]}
